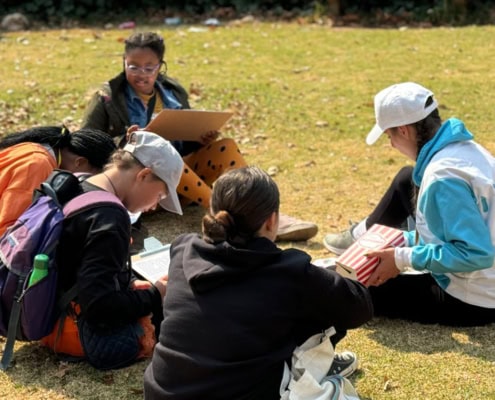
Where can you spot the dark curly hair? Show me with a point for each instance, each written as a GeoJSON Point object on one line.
{"type": "Point", "coordinates": [143, 40]}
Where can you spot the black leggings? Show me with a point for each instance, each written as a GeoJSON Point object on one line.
{"type": "Point", "coordinates": [418, 298]}
{"type": "Point", "coordinates": [397, 203]}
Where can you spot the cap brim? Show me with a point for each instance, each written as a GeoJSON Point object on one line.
{"type": "Point", "coordinates": [171, 203]}
{"type": "Point", "coordinates": [374, 134]}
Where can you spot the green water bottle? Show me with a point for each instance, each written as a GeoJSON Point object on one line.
{"type": "Point", "coordinates": [40, 269]}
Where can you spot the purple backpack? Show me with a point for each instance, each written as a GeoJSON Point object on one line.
{"type": "Point", "coordinates": [30, 313]}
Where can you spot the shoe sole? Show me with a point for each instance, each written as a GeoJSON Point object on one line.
{"type": "Point", "coordinates": [298, 235]}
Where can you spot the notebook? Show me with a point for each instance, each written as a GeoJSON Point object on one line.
{"type": "Point", "coordinates": [152, 263]}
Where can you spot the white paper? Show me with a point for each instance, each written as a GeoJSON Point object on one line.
{"type": "Point", "coordinates": [152, 264]}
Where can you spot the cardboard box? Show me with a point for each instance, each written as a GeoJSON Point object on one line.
{"type": "Point", "coordinates": [355, 265]}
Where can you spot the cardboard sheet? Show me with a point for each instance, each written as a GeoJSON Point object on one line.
{"type": "Point", "coordinates": [187, 124]}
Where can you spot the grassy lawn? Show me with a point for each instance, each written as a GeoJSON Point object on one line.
{"type": "Point", "coordinates": [303, 102]}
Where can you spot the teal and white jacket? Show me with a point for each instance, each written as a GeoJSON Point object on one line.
{"type": "Point", "coordinates": [455, 216]}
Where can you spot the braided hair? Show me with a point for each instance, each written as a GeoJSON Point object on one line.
{"type": "Point", "coordinates": [425, 130]}
{"type": "Point", "coordinates": [94, 145]}
{"type": "Point", "coordinates": [143, 40]}
{"type": "Point", "coordinates": [427, 127]}
{"type": "Point", "coordinates": [56, 137]}
{"type": "Point", "coordinates": [147, 40]}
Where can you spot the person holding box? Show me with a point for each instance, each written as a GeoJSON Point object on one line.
{"type": "Point", "coordinates": [135, 96]}
{"type": "Point", "coordinates": [454, 241]}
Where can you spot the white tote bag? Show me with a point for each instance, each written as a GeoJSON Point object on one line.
{"type": "Point", "coordinates": [308, 380]}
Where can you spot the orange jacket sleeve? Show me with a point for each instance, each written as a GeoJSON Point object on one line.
{"type": "Point", "coordinates": [23, 168]}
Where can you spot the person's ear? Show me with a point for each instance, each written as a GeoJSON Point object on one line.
{"type": "Point", "coordinates": [269, 228]}
{"type": "Point", "coordinates": [143, 174]}
{"type": "Point", "coordinates": [81, 163]}
{"type": "Point", "coordinates": [403, 130]}
{"type": "Point", "coordinates": [407, 131]}
{"type": "Point", "coordinates": [272, 223]}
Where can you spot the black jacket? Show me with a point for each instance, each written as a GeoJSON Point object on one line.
{"type": "Point", "coordinates": [93, 253]}
{"type": "Point", "coordinates": [233, 316]}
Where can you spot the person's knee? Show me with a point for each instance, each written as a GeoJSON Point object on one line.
{"type": "Point", "coordinates": [226, 143]}
{"type": "Point", "coordinates": [226, 140]}
{"type": "Point", "coordinates": [403, 177]}
{"type": "Point", "coordinates": [405, 173]}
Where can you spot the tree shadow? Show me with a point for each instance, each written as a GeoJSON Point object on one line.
{"type": "Point", "coordinates": [166, 226]}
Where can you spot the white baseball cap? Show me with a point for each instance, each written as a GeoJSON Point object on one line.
{"type": "Point", "coordinates": [160, 156]}
{"type": "Point", "coordinates": [398, 105]}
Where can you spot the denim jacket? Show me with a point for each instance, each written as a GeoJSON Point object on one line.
{"type": "Point", "coordinates": [138, 114]}
{"type": "Point", "coordinates": [115, 107]}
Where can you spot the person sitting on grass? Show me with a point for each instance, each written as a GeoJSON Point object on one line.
{"type": "Point", "coordinates": [28, 157]}
{"type": "Point", "coordinates": [114, 311]}
{"type": "Point", "coordinates": [237, 305]}
{"type": "Point", "coordinates": [454, 241]}
{"type": "Point", "coordinates": [135, 96]}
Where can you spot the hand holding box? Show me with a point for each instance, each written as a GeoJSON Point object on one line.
{"type": "Point", "coordinates": [355, 265]}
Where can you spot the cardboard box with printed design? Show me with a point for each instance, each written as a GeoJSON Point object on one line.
{"type": "Point", "coordinates": [355, 265]}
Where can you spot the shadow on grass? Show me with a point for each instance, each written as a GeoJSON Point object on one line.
{"type": "Point", "coordinates": [408, 336]}
{"type": "Point", "coordinates": [166, 226]}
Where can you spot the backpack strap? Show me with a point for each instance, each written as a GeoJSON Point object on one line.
{"type": "Point", "coordinates": [63, 305]}
{"type": "Point", "coordinates": [89, 200]}
{"type": "Point", "coordinates": [47, 189]}
{"type": "Point", "coordinates": [15, 314]}
{"type": "Point", "coordinates": [84, 201]}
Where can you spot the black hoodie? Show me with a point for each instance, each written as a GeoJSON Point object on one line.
{"type": "Point", "coordinates": [233, 316]}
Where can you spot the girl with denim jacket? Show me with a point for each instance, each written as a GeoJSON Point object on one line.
{"type": "Point", "coordinates": [139, 93]}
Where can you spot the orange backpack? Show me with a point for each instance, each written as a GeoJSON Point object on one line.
{"type": "Point", "coordinates": [64, 340]}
